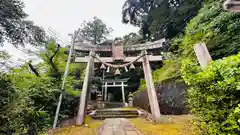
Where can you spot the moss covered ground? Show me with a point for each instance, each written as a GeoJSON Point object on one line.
{"type": "Point", "coordinates": [129, 109]}
{"type": "Point", "coordinates": [90, 128]}
{"type": "Point", "coordinates": [169, 125]}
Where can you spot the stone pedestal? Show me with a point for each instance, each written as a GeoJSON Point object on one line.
{"type": "Point", "coordinates": [103, 104]}
{"type": "Point", "coordinates": [126, 105]}
{"type": "Point", "coordinates": [99, 101]}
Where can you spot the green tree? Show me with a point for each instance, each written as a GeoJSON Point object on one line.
{"type": "Point", "coordinates": [6, 63]}
{"type": "Point", "coordinates": [160, 18]}
{"type": "Point", "coordinates": [131, 38]}
{"type": "Point", "coordinates": [134, 11]}
{"type": "Point", "coordinates": [4, 56]}
{"type": "Point", "coordinates": [14, 26]}
{"type": "Point", "coordinates": [53, 65]}
{"type": "Point", "coordinates": [213, 92]}
{"type": "Point", "coordinates": [95, 31]}
{"type": "Point", "coordinates": [7, 96]}
{"type": "Point", "coordinates": [214, 26]}
{"type": "Point", "coordinates": [29, 94]}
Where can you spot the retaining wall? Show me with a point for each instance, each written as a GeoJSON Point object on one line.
{"type": "Point", "coordinates": [171, 98]}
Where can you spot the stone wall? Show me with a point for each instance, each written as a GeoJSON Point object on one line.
{"type": "Point", "coordinates": [171, 98]}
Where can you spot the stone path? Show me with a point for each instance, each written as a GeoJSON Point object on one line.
{"type": "Point", "coordinates": [118, 126]}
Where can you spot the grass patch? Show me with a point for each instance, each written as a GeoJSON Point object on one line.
{"type": "Point", "coordinates": [171, 125]}
{"type": "Point", "coordinates": [91, 128]}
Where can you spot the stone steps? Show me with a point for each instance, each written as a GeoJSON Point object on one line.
{"type": "Point", "coordinates": [118, 126]}
{"type": "Point", "coordinates": [115, 113]}
{"type": "Point", "coordinates": [102, 117]}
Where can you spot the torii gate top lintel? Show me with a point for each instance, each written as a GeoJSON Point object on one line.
{"type": "Point", "coordinates": [118, 51]}
{"type": "Point", "coordinates": [114, 80]}
{"type": "Point", "coordinates": [80, 46]}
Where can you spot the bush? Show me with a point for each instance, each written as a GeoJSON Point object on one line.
{"type": "Point", "coordinates": [170, 70]}
{"type": "Point", "coordinates": [28, 103]}
{"type": "Point", "coordinates": [213, 94]}
{"type": "Point", "coordinates": [7, 96]}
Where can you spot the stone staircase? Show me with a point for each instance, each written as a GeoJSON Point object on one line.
{"type": "Point", "coordinates": [115, 113]}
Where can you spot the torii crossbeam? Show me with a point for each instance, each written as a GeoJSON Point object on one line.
{"type": "Point", "coordinates": [118, 55]}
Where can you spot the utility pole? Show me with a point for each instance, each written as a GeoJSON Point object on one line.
{"type": "Point", "coordinates": [74, 36]}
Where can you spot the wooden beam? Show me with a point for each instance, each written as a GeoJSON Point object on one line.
{"type": "Point", "coordinates": [146, 46]}
{"type": "Point", "coordinates": [110, 59]}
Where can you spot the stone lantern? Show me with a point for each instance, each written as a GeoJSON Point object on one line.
{"type": "Point", "coordinates": [99, 100]}
{"type": "Point", "coordinates": [130, 99]}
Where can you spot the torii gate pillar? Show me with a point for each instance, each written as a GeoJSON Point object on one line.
{"type": "Point", "coordinates": [85, 90]}
{"type": "Point", "coordinates": [152, 96]}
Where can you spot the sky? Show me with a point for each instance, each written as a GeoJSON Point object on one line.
{"type": "Point", "coordinates": [65, 16]}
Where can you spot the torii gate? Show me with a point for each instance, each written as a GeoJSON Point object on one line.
{"type": "Point", "coordinates": [118, 55]}
{"type": "Point", "coordinates": [232, 5]}
{"type": "Point", "coordinates": [115, 83]}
